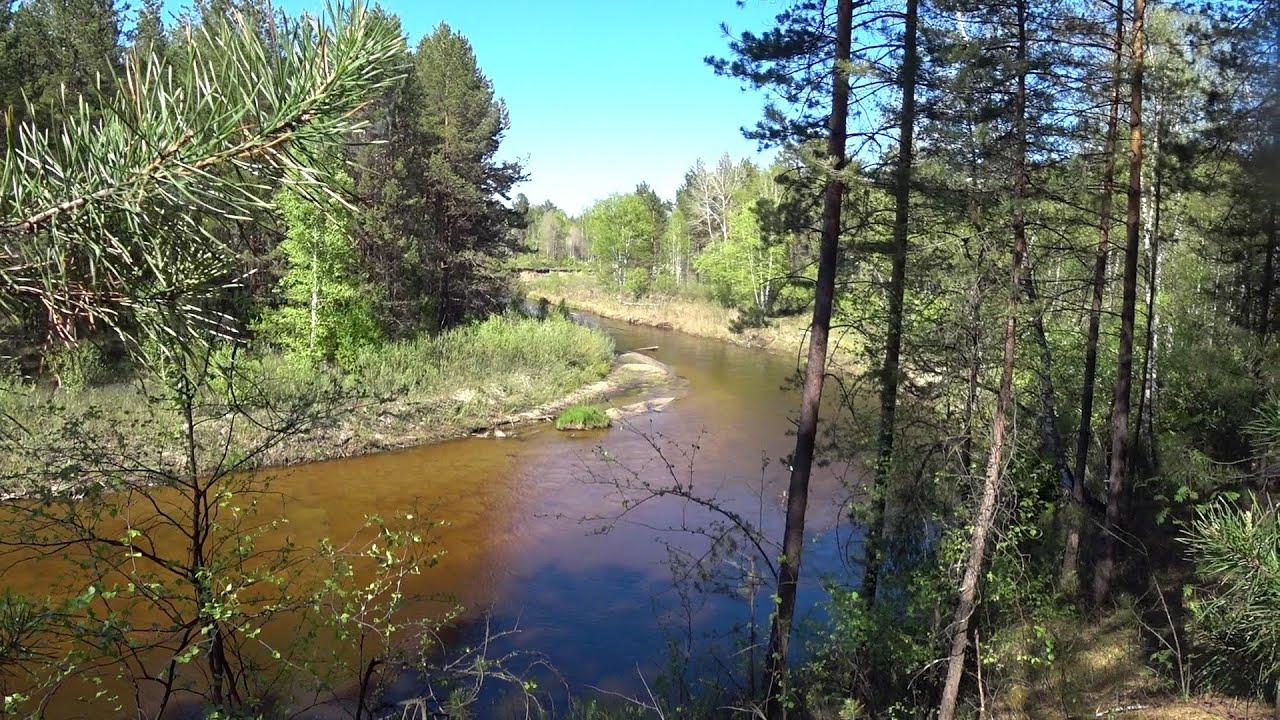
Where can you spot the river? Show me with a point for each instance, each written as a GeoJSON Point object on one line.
{"type": "Point", "coordinates": [600, 608]}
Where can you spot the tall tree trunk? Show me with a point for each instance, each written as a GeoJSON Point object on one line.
{"type": "Point", "coordinates": [1268, 279]}
{"type": "Point", "coordinates": [890, 370]}
{"type": "Point", "coordinates": [815, 372]}
{"type": "Point", "coordinates": [1104, 572]}
{"type": "Point", "coordinates": [1048, 397]}
{"type": "Point", "coordinates": [982, 525]}
{"type": "Point", "coordinates": [1069, 577]}
{"type": "Point", "coordinates": [1146, 435]}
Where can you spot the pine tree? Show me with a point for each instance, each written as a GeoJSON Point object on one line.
{"type": "Point", "coordinates": [148, 36]}
{"type": "Point", "coordinates": [1118, 471]}
{"type": "Point", "coordinates": [97, 225]}
{"type": "Point", "coordinates": [65, 48]}
{"type": "Point", "coordinates": [431, 228]}
{"type": "Point", "coordinates": [468, 227]}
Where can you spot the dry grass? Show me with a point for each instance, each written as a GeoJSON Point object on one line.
{"type": "Point", "coordinates": [1098, 670]}
{"type": "Point", "coordinates": [689, 314]}
{"type": "Point", "coordinates": [1205, 708]}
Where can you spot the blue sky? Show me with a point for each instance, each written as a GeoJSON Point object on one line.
{"type": "Point", "coordinates": [603, 94]}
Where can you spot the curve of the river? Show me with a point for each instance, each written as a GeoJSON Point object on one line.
{"type": "Point", "coordinates": [600, 608]}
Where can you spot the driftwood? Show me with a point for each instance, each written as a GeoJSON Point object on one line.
{"type": "Point", "coordinates": [650, 348]}
{"type": "Point", "coordinates": [546, 270]}
{"type": "Point", "coordinates": [639, 408]}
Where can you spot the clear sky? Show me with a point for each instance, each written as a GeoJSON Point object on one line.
{"type": "Point", "coordinates": [603, 94]}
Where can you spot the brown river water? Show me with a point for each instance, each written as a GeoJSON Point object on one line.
{"type": "Point", "coordinates": [600, 609]}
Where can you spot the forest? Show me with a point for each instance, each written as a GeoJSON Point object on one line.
{"type": "Point", "coordinates": [1061, 215]}
{"type": "Point", "coordinates": [1027, 250]}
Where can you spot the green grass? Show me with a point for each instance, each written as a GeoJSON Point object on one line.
{"type": "Point", "coordinates": [396, 394]}
{"type": "Point", "coordinates": [501, 364]}
{"type": "Point", "coordinates": [583, 417]}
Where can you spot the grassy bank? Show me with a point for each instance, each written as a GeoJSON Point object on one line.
{"type": "Point", "coordinates": [688, 313]}
{"type": "Point", "coordinates": [487, 370]}
{"type": "Point", "coordinates": [287, 410]}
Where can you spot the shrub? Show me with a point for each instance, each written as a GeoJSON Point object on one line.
{"type": "Point", "coordinates": [748, 318]}
{"type": "Point", "coordinates": [583, 417]}
{"type": "Point", "coordinates": [664, 285]}
{"type": "Point", "coordinates": [1235, 610]}
{"type": "Point", "coordinates": [76, 366]}
{"type": "Point", "coordinates": [636, 283]}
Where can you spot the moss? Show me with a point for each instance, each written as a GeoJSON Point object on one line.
{"type": "Point", "coordinates": [583, 417]}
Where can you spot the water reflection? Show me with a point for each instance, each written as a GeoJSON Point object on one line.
{"type": "Point", "coordinates": [599, 608]}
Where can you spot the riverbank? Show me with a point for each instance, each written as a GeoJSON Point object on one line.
{"type": "Point", "coordinates": [399, 424]}
{"type": "Point", "coordinates": [496, 374]}
{"type": "Point", "coordinates": [691, 315]}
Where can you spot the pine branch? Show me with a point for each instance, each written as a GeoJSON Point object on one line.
{"type": "Point", "coordinates": [115, 213]}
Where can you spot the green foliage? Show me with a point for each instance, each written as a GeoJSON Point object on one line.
{"type": "Point", "coordinates": [98, 220]}
{"type": "Point", "coordinates": [723, 232]}
{"type": "Point", "coordinates": [1235, 607]}
{"type": "Point", "coordinates": [551, 238]}
{"type": "Point", "coordinates": [749, 318]}
{"type": "Point", "coordinates": [744, 269]}
{"type": "Point", "coordinates": [622, 229]}
{"type": "Point", "coordinates": [51, 46]}
{"type": "Point", "coordinates": [583, 417]}
{"type": "Point", "coordinates": [327, 312]}
{"type": "Point", "coordinates": [434, 236]}
{"type": "Point", "coordinates": [452, 383]}
{"type": "Point", "coordinates": [510, 359]}
{"type": "Point", "coordinates": [76, 366]}
{"type": "Point", "coordinates": [871, 653]}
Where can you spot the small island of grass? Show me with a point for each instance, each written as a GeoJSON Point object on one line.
{"type": "Point", "coordinates": [583, 417]}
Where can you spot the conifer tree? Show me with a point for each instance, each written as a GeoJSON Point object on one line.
{"type": "Point", "coordinates": [433, 228]}
{"type": "Point", "coordinates": [468, 227]}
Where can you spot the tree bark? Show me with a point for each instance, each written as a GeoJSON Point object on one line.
{"type": "Point", "coordinates": [1268, 279]}
{"type": "Point", "coordinates": [1104, 572]}
{"type": "Point", "coordinates": [1069, 577]}
{"type": "Point", "coordinates": [985, 519]}
{"type": "Point", "coordinates": [1048, 397]}
{"type": "Point", "coordinates": [815, 373]}
{"type": "Point", "coordinates": [890, 370]}
{"type": "Point", "coordinates": [816, 370]}
{"type": "Point", "coordinates": [1146, 434]}
{"type": "Point", "coordinates": [315, 296]}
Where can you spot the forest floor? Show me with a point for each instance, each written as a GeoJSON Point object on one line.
{"type": "Point", "coordinates": [1067, 669]}
{"type": "Point", "coordinates": [688, 314]}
